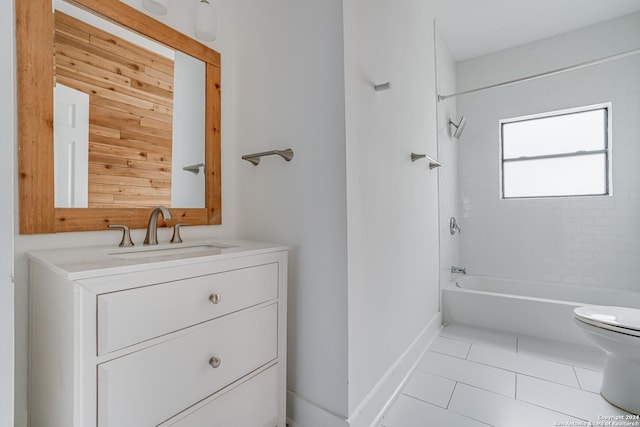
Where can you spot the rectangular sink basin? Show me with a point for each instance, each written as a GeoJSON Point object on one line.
{"type": "Point", "coordinates": [171, 251]}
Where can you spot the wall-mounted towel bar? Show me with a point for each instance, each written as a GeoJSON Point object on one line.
{"type": "Point", "coordinates": [255, 158]}
{"type": "Point", "coordinates": [433, 163]}
{"type": "Point", "coordinates": [194, 169]}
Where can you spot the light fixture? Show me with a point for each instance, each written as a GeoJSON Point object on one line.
{"type": "Point", "coordinates": [157, 7]}
{"type": "Point", "coordinates": [206, 21]}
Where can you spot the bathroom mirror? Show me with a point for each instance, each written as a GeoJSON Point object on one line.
{"type": "Point", "coordinates": [41, 208]}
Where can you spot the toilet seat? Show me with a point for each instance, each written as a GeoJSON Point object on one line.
{"type": "Point", "coordinates": [617, 319]}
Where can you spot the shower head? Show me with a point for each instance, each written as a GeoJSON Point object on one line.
{"type": "Point", "coordinates": [459, 127]}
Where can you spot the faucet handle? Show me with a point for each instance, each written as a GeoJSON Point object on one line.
{"type": "Point", "coordinates": [455, 269]}
{"type": "Point", "coordinates": [126, 235]}
{"type": "Point", "coordinates": [176, 232]}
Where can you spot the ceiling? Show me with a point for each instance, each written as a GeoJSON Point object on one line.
{"type": "Point", "coordinates": [472, 28]}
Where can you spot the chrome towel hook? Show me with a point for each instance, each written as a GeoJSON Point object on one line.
{"type": "Point", "coordinates": [194, 169]}
{"type": "Point", "coordinates": [254, 159]}
{"type": "Point", "coordinates": [433, 163]}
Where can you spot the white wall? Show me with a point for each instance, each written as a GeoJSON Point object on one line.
{"type": "Point", "coordinates": [290, 65]}
{"type": "Point", "coordinates": [7, 144]}
{"type": "Point", "coordinates": [593, 241]}
{"type": "Point", "coordinates": [391, 202]}
{"type": "Point", "coordinates": [294, 86]}
{"type": "Point", "coordinates": [448, 156]}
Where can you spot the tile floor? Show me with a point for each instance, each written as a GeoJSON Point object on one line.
{"type": "Point", "coordinates": [476, 377]}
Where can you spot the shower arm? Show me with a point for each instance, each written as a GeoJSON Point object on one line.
{"type": "Point", "coordinates": [459, 127]}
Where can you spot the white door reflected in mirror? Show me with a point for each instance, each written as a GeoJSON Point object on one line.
{"type": "Point", "coordinates": [71, 147]}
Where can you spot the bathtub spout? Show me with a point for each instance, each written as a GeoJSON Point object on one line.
{"type": "Point", "coordinates": [455, 269]}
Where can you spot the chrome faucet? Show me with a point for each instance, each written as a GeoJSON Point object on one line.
{"type": "Point", "coordinates": [455, 269]}
{"type": "Point", "coordinates": [152, 227]}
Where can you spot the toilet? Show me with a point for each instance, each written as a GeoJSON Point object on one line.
{"type": "Point", "coordinates": [616, 330]}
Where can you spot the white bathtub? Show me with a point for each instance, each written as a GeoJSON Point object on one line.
{"type": "Point", "coordinates": [536, 309]}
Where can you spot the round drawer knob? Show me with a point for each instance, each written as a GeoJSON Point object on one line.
{"type": "Point", "coordinates": [215, 298]}
{"type": "Point", "coordinates": [215, 362]}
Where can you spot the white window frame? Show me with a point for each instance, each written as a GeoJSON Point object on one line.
{"type": "Point", "coordinates": [606, 151]}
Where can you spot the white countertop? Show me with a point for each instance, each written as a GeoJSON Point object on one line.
{"type": "Point", "coordinates": [94, 261]}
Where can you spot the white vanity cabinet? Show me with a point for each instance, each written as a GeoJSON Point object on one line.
{"type": "Point", "coordinates": [193, 339]}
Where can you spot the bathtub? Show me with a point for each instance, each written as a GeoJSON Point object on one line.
{"type": "Point", "coordinates": [537, 309]}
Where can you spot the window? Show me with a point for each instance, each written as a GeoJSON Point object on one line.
{"type": "Point", "coordinates": [561, 153]}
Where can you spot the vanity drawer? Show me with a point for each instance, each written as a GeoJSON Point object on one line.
{"type": "Point", "coordinates": [150, 386]}
{"type": "Point", "coordinates": [252, 404]}
{"type": "Point", "coordinates": [132, 316]}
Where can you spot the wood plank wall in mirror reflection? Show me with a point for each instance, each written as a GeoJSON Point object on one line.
{"type": "Point", "coordinates": [130, 113]}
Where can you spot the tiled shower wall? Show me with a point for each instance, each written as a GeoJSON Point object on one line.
{"type": "Point", "coordinates": [593, 241]}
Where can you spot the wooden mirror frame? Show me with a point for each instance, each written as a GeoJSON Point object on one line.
{"type": "Point", "coordinates": [34, 35]}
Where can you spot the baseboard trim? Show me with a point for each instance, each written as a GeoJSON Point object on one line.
{"type": "Point", "coordinates": [304, 413]}
{"type": "Point", "coordinates": [301, 410]}
{"type": "Point", "coordinates": [370, 411]}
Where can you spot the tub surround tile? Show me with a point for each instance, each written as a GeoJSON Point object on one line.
{"type": "Point", "coordinates": [528, 365]}
{"type": "Point", "coordinates": [430, 388]}
{"type": "Point", "coordinates": [500, 411]}
{"type": "Point", "coordinates": [583, 356]}
{"type": "Point", "coordinates": [467, 372]}
{"type": "Point", "coordinates": [409, 412]}
{"type": "Point", "coordinates": [571, 401]}
{"type": "Point", "coordinates": [480, 336]}
{"type": "Point", "coordinates": [450, 346]}
{"type": "Point", "coordinates": [589, 380]}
